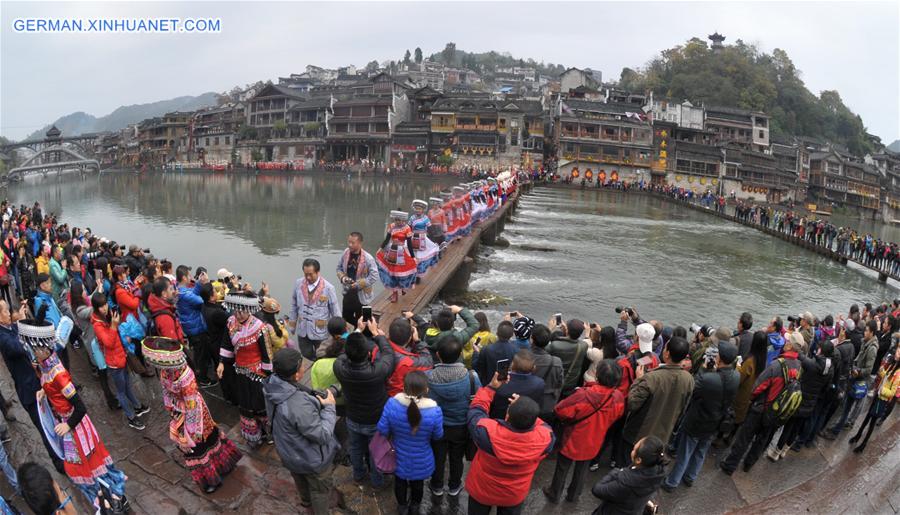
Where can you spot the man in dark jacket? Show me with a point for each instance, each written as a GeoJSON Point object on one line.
{"type": "Point", "coordinates": [135, 260]}
{"type": "Point", "coordinates": [547, 367]}
{"type": "Point", "coordinates": [567, 346]}
{"type": "Point", "coordinates": [756, 431]}
{"type": "Point", "coordinates": [744, 338]}
{"type": "Point", "coordinates": [843, 358]}
{"type": "Point", "coordinates": [485, 361]}
{"type": "Point", "coordinates": [521, 382]}
{"type": "Point", "coordinates": [303, 426]}
{"type": "Point", "coordinates": [715, 386]}
{"type": "Point", "coordinates": [451, 385]}
{"type": "Point", "coordinates": [19, 365]}
{"type": "Point", "coordinates": [362, 379]}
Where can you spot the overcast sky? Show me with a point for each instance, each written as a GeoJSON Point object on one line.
{"type": "Point", "coordinates": [853, 47]}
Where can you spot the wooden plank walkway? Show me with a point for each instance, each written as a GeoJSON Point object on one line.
{"type": "Point", "coordinates": [455, 256]}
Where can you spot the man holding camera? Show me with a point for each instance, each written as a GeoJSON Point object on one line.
{"type": "Point", "coordinates": [715, 386]}
{"type": "Point", "coordinates": [303, 426]}
{"type": "Point", "coordinates": [358, 274]}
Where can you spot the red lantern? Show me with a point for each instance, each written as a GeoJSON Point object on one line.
{"type": "Point", "coordinates": [588, 174]}
{"type": "Point", "coordinates": [614, 177]}
{"type": "Point", "coordinates": [574, 173]}
{"type": "Point", "coordinates": [601, 177]}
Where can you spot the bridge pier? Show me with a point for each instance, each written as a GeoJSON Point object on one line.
{"type": "Point", "coordinates": [882, 277]}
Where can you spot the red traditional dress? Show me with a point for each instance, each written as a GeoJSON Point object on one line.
{"type": "Point", "coordinates": [85, 457]}
{"type": "Point", "coordinates": [396, 264]}
{"type": "Point", "coordinates": [450, 221]}
{"type": "Point", "coordinates": [247, 351]}
{"type": "Point", "coordinates": [438, 230]}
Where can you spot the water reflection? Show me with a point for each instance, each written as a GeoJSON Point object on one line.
{"type": "Point", "coordinates": [261, 226]}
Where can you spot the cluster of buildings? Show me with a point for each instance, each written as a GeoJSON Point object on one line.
{"type": "Point", "coordinates": [427, 114]}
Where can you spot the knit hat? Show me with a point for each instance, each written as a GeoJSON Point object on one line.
{"type": "Point", "coordinates": [522, 327]}
{"type": "Point", "coordinates": [242, 302]}
{"type": "Point", "coordinates": [163, 352]}
{"type": "Point", "coordinates": [645, 333]}
{"type": "Point", "coordinates": [286, 362]}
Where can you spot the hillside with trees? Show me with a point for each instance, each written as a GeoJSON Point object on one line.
{"type": "Point", "coordinates": [740, 75]}
{"type": "Point", "coordinates": [488, 62]}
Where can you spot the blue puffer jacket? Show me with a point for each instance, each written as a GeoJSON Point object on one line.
{"type": "Point", "coordinates": [415, 460]}
{"type": "Point", "coordinates": [450, 386]}
{"type": "Point", "coordinates": [190, 310]}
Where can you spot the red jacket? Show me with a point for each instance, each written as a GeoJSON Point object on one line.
{"type": "Point", "coordinates": [128, 302]}
{"type": "Point", "coordinates": [770, 383]}
{"type": "Point", "coordinates": [406, 361]}
{"type": "Point", "coordinates": [504, 465]}
{"type": "Point", "coordinates": [108, 338]}
{"type": "Point", "coordinates": [597, 407]}
{"type": "Point", "coordinates": [629, 367]}
{"type": "Point", "coordinates": [163, 315]}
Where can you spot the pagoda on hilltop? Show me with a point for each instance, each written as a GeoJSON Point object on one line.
{"type": "Point", "coordinates": [716, 39]}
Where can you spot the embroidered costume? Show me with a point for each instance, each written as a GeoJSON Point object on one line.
{"type": "Point", "coordinates": [461, 211]}
{"type": "Point", "coordinates": [438, 228]}
{"type": "Point", "coordinates": [426, 250]}
{"type": "Point", "coordinates": [85, 458]}
{"type": "Point", "coordinates": [396, 262]}
{"type": "Point", "coordinates": [208, 454]}
{"type": "Point", "coordinates": [246, 349]}
{"type": "Point", "coordinates": [451, 223]}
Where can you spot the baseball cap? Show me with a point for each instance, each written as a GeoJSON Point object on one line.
{"type": "Point", "coordinates": [727, 352]}
{"type": "Point", "coordinates": [223, 273]}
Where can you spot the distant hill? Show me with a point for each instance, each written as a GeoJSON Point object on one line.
{"type": "Point", "coordinates": [741, 75]}
{"type": "Point", "coordinates": [895, 146]}
{"type": "Point", "coordinates": [81, 122]}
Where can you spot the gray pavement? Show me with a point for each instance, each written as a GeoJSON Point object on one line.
{"type": "Point", "coordinates": [826, 479]}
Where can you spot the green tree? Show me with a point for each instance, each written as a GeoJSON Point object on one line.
{"type": "Point", "coordinates": [418, 55]}
{"type": "Point", "coordinates": [372, 67]}
{"type": "Point", "coordinates": [448, 55]}
{"type": "Point", "coordinates": [406, 57]}
{"type": "Point", "coordinates": [740, 75]}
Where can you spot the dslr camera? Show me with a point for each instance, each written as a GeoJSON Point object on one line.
{"type": "Point", "coordinates": [794, 319]}
{"type": "Point", "coordinates": [628, 311]}
{"type": "Point", "coordinates": [335, 390]}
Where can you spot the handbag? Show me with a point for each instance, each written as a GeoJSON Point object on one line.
{"type": "Point", "coordinates": [381, 449]}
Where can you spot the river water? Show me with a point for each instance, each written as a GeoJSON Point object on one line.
{"type": "Point", "coordinates": [579, 252]}
{"type": "Point", "coordinates": [259, 227]}
{"type": "Point", "coordinates": [584, 252]}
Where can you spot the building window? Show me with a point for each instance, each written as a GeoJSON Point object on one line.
{"type": "Point", "coordinates": [228, 140]}
{"type": "Point", "coordinates": [207, 142]}
{"type": "Point", "coordinates": [761, 135]}
{"type": "Point", "coordinates": [216, 141]}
